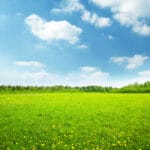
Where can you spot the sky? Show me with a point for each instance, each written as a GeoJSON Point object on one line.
{"type": "Point", "coordinates": [74, 42]}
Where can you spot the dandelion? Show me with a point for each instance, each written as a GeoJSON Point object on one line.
{"type": "Point", "coordinates": [65, 145]}
{"type": "Point", "coordinates": [42, 145]}
{"type": "Point", "coordinates": [113, 144]}
{"type": "Point", "coordinates": [72, 147]}
{"type": "Point", "coordinates": [125, 145]}
{"type": "Point", "coordinates": [119, 142]}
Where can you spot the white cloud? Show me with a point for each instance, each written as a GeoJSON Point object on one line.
{"type": "Point", "coordinates": [143, 76]}
{"type": "Point", "coordinates": [136, 61]}
{"type": "Point", "coordinates": [83, 76]}
{"type": "Point", "coordinates": [92, 76]}
{"type": "Point", "coordinates": [145, 73]}
{"type": "Point", "coordinates": [70, 6]}
{"type": "Point", "coordinates": [130, 13]}
{"type": "Point", "coordinates": [142, 29]}
{"type": "Point", "coordinates": [82, 46]}
{"type": "Point", "coordinates": [53, 30]}
{"type": "Point", "coordinates": [119, 60]}
{"type": "Point", "coordinates": [130, 62]}
{"type": "Point", "coordinates": [94, 19]}
{"type": "Point", "coordinates": [35, 64]}
{"type": "Point", "coordinates": [18, 77]}
{"type": "Point", "coordinates": [86, 75]}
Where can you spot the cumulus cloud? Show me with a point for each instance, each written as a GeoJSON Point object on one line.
{"type": "Point", "coordinates": [53, 30]}
{"type": "Point", "coordinates": [94, 19]}
{"type": "Point", "coordinates": [142, 29]}
{"type": "Point", "coordinates": [93, 73]}
{"type": "Point", "coordinates": [92, 76]}
{"type": "Point", "coordinates": [130, 13]}
{"type": "Point", "coordinates": [130, 62]}
{"type": "Point", "coordinates": [70, 6]}
{"type": "Point", "coordinates": [85, 75]}
{"type": "Point", "coordinates": [143, 76]}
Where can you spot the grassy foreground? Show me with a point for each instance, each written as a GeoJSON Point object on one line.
{"type": "Point", "coordinates": [74, 121]}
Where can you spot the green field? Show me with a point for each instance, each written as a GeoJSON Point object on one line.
{"type": "Point", "coordinates": [82, 121]}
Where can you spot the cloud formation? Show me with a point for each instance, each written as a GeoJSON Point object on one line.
{"type": "Point", "coordinates": [130, 13]}
{"type": "Point", "coordinates": [95, 20]}
{"type": "Point", "coordinates": [53, 30]}
{"type": "Point", "coordinates": [130, 62]}
{"type": "Point", "coordinates": [83, 76]}
{"type": "Point", "coordinates": [70, 6]}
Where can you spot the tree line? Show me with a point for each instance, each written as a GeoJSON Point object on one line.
{"type": "Point", "coordinates": [131, 88]}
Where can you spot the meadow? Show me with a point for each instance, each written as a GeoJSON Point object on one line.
{"type": "Point", "coordinates": [81, 121]}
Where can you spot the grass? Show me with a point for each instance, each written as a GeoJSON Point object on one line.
{"type": "Point", "coordinates": [74, 121]}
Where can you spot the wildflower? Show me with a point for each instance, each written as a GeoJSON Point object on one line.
{"type": "Point", "coordinates": [113, 144]}
{"type": "Point", "coordinates": [65, 145]}
{"type": "Point", "coordinates": [119, 142]}
{"type": "Point", "coordinates": [42, 145]}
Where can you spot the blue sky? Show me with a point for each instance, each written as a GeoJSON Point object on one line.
{"type": "Point", "coordinates": [74, 42]}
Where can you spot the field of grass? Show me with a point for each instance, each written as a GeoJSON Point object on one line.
{"type": "Point", "coordinates": [82, 121]}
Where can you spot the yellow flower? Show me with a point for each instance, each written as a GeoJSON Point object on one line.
{"type": "Point", "coordinates": [113, 144]}
{"type": "Point", "coordinates": [42, 144]}
{"type": "Point", "coordinates": [119, 142]}
{"type": "Point", "coordinates": [65, 145]}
